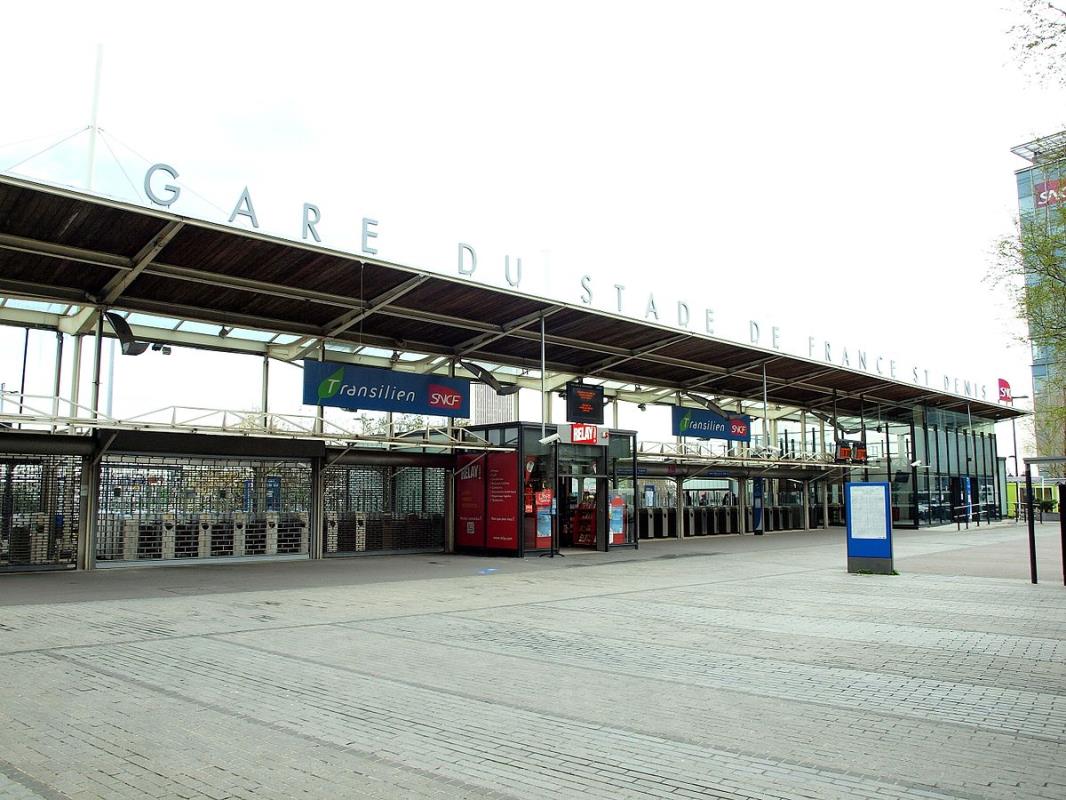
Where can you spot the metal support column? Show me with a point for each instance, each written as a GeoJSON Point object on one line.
{"type": "Point", "coordinates": [806, 505]}
{"type": "Point", "coordinates": [449, 511]}
{"type": "Point", "coordinates": [58, 378]}
{"type": "Point", "coordinates": [742, 505]}
{"type": "Point", "coordinates": [679, 521]}
{"type": "Point", "coordinates": [318, 509]}
{"type": "Point", "coordinates": [825, 503]}
{"type": "Point", "coordinates": [97, 345]}
{"type": "Point", "coordinates": [320, 411]}
{"type": "Point", "coordinates": [75, 381]}
{"type": "Point", "coordinates": [803, 434]}
{"type": "Point", "coordinates": [265, 392]}
{"type": "Point", "coordinates": [545, 400]}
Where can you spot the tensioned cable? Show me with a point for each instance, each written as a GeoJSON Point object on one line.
{"type": "Point", "coordinates": [184, 185]}
{"type": "Point", "coordinates": [114, 155]}
{"type": "Point", "coordinates": [42, 152]}
{"type": "Point", "coordinates": [35, 138]}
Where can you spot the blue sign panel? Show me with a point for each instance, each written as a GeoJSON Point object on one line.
{"type": "Point", "coordinates": [373, 389]}
{"type": "Point", "coordinates": [869, 512]}
{"type": "Point", "coordinates": [273, 493]}
{"type": "Point", "coordinates": [703, 424]}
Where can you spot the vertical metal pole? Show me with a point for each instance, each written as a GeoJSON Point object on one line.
{"type": "Point", "coordinates": [680, 504]}
{"type": "Point", "coordinates": [806, 505]}
{"type": "Point", "coordinates": [765, 410]}
{"type": "Point", "coordinates": [92, 124]}
{"type": "Point", "coordinates": [98, 344]}
{"type": "Point", "coordinates": [1030, 521]}
{"type": "Point", "coordinates": [22, 384]}
{"type": "Point", "coordinates": [825, 502]}
{"type": "Point", "coordinates": [320, 412]}
{"type": "Point", "coordinates": [1062, 528]}
{"type": "Point", "coordinates": [58, 378]}
{"type": "Point", "coordinates": [803, 434]}
{"type": "Point", "coordinates": [614, 412]}
{"type": "Point", "coordinates": [264, 399]}
{"type": "Point", "coordinates": [110, 376]}
{"type": "Point", "coordinates": [543, 397]}
{"type": "Point", "coordinates": [75, 379]}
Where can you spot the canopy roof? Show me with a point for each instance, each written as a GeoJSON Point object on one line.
{"type": "Point", "coordinates": [85, 253]}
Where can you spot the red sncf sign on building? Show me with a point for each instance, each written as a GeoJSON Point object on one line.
{"type": "Point", "coordinates": [1004, 392]}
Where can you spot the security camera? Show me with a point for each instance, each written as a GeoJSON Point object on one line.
{"type": "Point", "coordinates": [551, 437]}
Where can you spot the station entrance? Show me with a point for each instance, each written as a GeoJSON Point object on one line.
{"type": "Point", "coordinates": [39, 510]}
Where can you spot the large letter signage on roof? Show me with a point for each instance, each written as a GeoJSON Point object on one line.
{"type": "Point", "coordinates": [702, 424]}
{"type": "Point", "coordinates": [348, 386]}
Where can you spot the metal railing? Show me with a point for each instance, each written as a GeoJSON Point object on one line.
{"type": "Point", "coordinates": [37, 414]}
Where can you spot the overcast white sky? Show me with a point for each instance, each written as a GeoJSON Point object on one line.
{"type": "Point", "coordinates": [838, 169]}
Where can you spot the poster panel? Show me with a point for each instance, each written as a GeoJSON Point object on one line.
{"type": "Point", "coordinates": [470, 501]}
{"type": "Point", "coordinates": [502, 469]}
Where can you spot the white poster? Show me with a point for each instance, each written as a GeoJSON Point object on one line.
{"type": "Point", "coordinates": [868, 518]}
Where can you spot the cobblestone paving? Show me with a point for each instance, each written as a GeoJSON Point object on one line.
{"type": "Point", "coordinates": [761, 671]}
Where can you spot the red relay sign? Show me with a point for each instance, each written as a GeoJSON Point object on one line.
{"type": "Point", "coordinates": [584, 434]}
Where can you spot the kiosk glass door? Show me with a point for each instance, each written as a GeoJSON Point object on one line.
{"type": "Point", "coordinates": [582, 497]}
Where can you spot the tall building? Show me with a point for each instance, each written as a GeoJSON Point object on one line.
{"type": "Point", "coordinates": [1042, 204]}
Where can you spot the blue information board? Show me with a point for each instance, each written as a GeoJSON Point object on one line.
{"type": "Point", "coordinates": [868, 508]}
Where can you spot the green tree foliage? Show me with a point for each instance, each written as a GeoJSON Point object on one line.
{"type": "Point", "coordinates": [1032, 266]}
{"type": "Point", "coordinates": [1039, 39]}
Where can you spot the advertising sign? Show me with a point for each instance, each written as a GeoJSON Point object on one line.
{"type": "Point", "coordinates": [545, 509]}
{"type": "Point", "coordinates": [583, 433]}
{"type": "Point", "coordinates": [1005, 395]}
{"type": "Point", "coordinates": [502, 510]}
{"type": "Point", "coordinates": [584, 403]}
{"type": "Point", "coordinates": [1049, 193]}
{"type": "Point", "coordinates": [704, 424]}
{"type": "Point", "coordinates": [470, 501]}
{"type": "Point", "coordinates": [348, 386]}
{"type": "Point", "coordinates": [616, 519]}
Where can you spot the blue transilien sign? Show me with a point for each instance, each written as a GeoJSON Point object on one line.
{"type": "Point", "coordinates": [703, 424]}
{"type": "Point", "coordinates": [371, 388]}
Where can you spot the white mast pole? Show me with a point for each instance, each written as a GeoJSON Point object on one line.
{"type": "Point", "coordinates": [92, 124]}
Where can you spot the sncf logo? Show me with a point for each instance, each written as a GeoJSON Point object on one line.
{"type": "Point", "coordinates": [444, 397]}
{"type": "Point", "coordinates": [738, 427]}
{"type": "Point", "coordinates": [1004, 392]}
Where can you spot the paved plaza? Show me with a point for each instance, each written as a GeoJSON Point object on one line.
{"type": "Point", "coordinates": [724, 667]}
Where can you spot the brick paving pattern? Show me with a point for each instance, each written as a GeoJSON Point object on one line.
{"type": "Point", "coordinates": [732, 667]}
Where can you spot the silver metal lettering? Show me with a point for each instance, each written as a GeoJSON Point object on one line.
{"type": "Point", "coordinates": [517, 279]}
{"type": "Point", "coordinates": [463, 269]}
{"type": "Point", "coordinates": [248, 211]}
{"type": "Point", "coordinates": [651, 310]}
{"type": "Point", "coordinates": [708, 319]}
{"type": "Point", "coordinates": [368, 235]}
{"type": "Point", "coordinates": [775, 337]}
{"type": "Point", "coordinates": [309, 224]}
{"type": "Point", "coordinates": [618, 288]}
{"type": "Point", "coordinates": [753, 331]}
{"type": "Point", "coordinates": [175, 191]}
{"type": "Point", "coordinates": [586, 298]}
{"type": "Point", "coordinates": [682, 314]}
